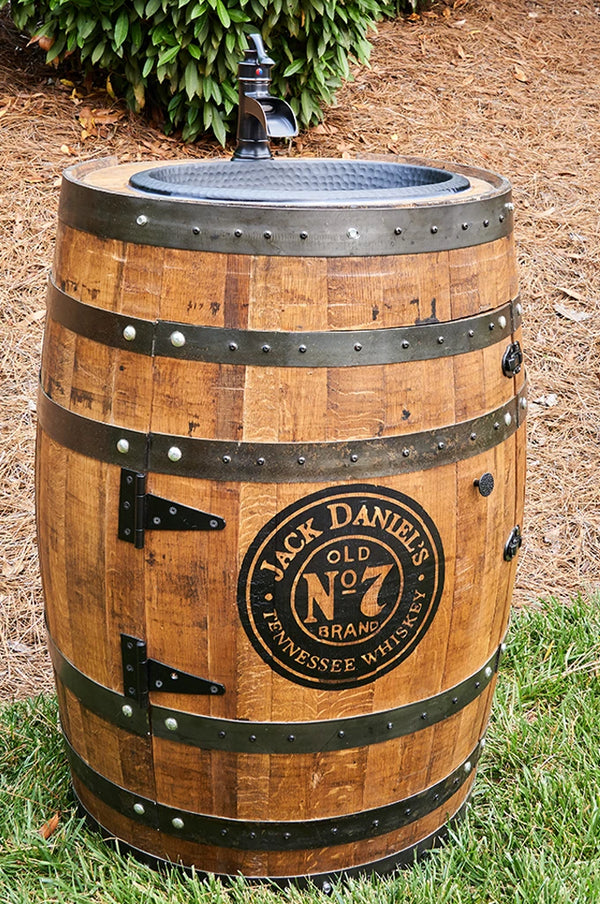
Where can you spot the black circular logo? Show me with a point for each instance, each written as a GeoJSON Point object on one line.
{"type": "Point", "coordinates": [340, 587]}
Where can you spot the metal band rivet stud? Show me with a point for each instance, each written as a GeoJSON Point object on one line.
{"type": "Point", "coordinates": [467, 767]}
{"type": "Point", "coordinates": [508, 418]}
{"type": "Point", "coordinates": [196, 230]}
{"type": "Point", "coordinates": [129, 333]}
{"type": "Point", "coordinates": [171, 724]}
{"type": "Point", "coordinates": [174, 454]}
{"type": "Point", "coordinates": [523, 404]}
{"type": "Point", "coordinates": [502, 321]}
{"type": "Point", "coordinates": [303, 235]}
{"type": "Point", "coordinates": [268, 235]}
{"type": "Point", "coordinates": [434, 230]}
{"type": "Point", "coordinates": [142, 220]}
{"type": "Point", "coordinates": [353, 233]}
{"type": "Point", "coordinates": [123, 446]}
{"type": "Point", "coordinates": [488, 672]}
{"type": "Point", "coordinates": [139, 809]}
{"type": "Point", "coordinates": [177, 823]}
{"type": "Point", "coordinates": [398, 230]}
{"type": "Point", "coordinates": [177, 339]}
{"type": "Point", "coordinates": [127, 711]}
{"type": "Point", "coordinates": [238, 233]}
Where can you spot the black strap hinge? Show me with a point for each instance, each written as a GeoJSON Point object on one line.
{"type": "Point", "coordinates": [140, 511]}
{"type": "Point", "coordinates": [142, 675]}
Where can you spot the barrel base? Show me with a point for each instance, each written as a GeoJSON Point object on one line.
{"type": "Point", "coordinates": [323, 881]}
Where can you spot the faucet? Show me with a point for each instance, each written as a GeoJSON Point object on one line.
{"type": "Point", "coordinates": [260, 116]}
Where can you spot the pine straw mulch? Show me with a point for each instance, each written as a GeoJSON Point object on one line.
{"type": "Point", "coordinates": [510, 85]}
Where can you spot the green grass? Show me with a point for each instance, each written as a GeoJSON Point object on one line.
{"type": "Point", "coordinates": [531, 834]}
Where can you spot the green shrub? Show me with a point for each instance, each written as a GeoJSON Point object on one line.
{"type": "Point", "coordinates": [181, 56]}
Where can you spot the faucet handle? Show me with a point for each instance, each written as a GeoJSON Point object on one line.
{"type": "Point", "coordinates": [256, 53]}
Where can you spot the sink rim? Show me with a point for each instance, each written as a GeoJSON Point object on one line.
{"type": "Point", "coordinates": [435, 183]}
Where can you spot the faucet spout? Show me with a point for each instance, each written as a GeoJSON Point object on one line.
{"type": "Point", "coordinates": [260, 116]}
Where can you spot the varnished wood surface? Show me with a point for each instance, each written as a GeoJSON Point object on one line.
{"type": "Point", "coordinates": [179, 593]}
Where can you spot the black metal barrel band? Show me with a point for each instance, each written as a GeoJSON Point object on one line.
{"type": "Point", "coordinates": [323, 880]}
{"type": "Point", "coordinates": [335, 348]}
{"type": "Point", "coordinates": [318, 230]}
{"type": "Point", "coordinates": [271, 835]}
{"type": "Point", "coordinates": [210, 733]}
{"type": "Point", "coordinates": [275, 462]}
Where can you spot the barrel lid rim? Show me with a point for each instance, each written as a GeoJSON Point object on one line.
{"type": "Point", "coordinates": [498, 186]}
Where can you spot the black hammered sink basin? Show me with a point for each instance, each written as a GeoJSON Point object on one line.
{"type": "Point", "coordinates": [310, 181]}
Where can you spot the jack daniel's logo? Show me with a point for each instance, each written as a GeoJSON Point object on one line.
{"type": "Point", "coordinates": [340, 587]}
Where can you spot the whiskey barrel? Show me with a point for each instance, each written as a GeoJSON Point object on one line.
{"type": "Point", "coordinates": [280, 474]}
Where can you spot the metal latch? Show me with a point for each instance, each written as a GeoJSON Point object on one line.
{"type": "Point", "coordinates": [512, 360]}
{"type": "Point", "coordinates": [513, 544]}
{"type": "Point", "coordinates": [142, 675]}
{"type": "Point", "coordinates": [140, 511]}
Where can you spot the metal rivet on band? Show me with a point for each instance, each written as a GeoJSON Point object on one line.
{"type": "Point", "coordinates": [127, 710]}
{"type": "Point", "coordinates": [260, 461]}
{"type": "Point", "coordinates": [434, 229]}
{"type": "Point", "coordinates": [174, 453]}
{"type": "Point", "coordinates": [291, 738]}
{"type": "Point", "coordinates": [509, 206]}
{"type": "Point", "coordinates": [171, 724]}
{"type": "Point", "coordinates": [389, 726]}
{"type": "Point", "coordinates": [287, 836]}
{"type": "Point", "coordinates": [486, 223]}
{"type": "Point", "coordinates": [238, 233]}
{"type": "Point", "coordinates": [398, 230]}
{"type": "Point", "coordinates": [502, 321]}
{"type": "Point", "coordinates": [177, 822]}
{"type": "Point", "coordinates": [226, 459]}
{"type": "Point", "coordinates": [233, 346]}
{"type": "Point", "coordinates": [465, 226]}
{"type": "Point", "coordinates": [252, 738]}
{"type": "Point", "coordinates": [440, 340]}
{"type": "Point", "coordinates": [268, 235]}
{"type": "Point", "coordinates": [496, 425]}
{"type": "Point", "coordinates": [441, 445]}
{"type": "Point", "coordinates": [354, 457]}
{"type": "Point", "coordinates": [358, 347]}
{"type": "Point", "coordinates": [301, 349]}
{"type": "Point", "coordinates": [353, 233]}
{"type": "Point", "coordinates": [468, 766]}
{"type": "Point", "coordinates": [303, 235]}
{"type": "Point", "coordinates": [503, 648]}
{"type": "Point", "coordinates": [302, 460]}
{"type": "Point", "coordinates": [405, 343]}
{"type": "Point", "coordinates": [424, 716]}
{"type": "Point", "coordinates": [266, 349]}
{"type": "Point", "coordinates": [341, 734]}
{"type": "Point", "coordinates": [142, 220]}
{"type": "Point", "coordinates": [139, 809]}
{"type": "Point", "coordinates": [123, 446]}
{"type": "Point", "coordinates": [523, 404]}
{"type": "Point", "coordinates": [471, 333]}
{"type": "Point", "coordinates": [519, 309]}
{"type": "Point", "coordinates": [129, 333]}
{"type": "Point", "coordinates": [501, 218]}
{"type": "Point", "coordinates": [488, 672]}
{"type": "Point", "coordinates": [177, 339]}
{"type": "Point", "coordinates": [473, 437]}
{"type": "Point", "coordinates": [222, 734]}
{"type": "Point", "coordinates": [223, 832]}
{"type": "Point", "coordinates": [491, 326]}
{"type": "Point", "coordinates": [196, 230]}
{"type": "Point", "coordinates": [508, 418]}
{"type": "Point", "coordinates": [483, 742]}
{"type": "Point", "coordinates": [405, 453]}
